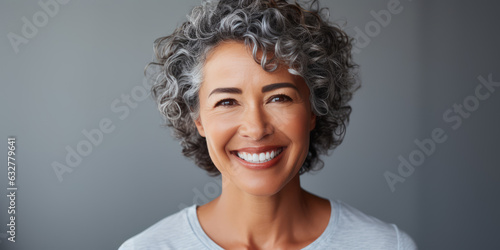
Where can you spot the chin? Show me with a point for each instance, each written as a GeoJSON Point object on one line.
{"type": "Point", "coordinates": [262, 184]}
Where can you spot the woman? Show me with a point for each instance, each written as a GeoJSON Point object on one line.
{"type": "Point", "coordinates": [255, 91]}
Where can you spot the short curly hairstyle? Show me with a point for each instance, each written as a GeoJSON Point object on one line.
{"type": "Point", "coordinates": [300, 38]}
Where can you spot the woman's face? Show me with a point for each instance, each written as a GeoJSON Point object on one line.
{"type": "Point", "coordinates": [256, 123]}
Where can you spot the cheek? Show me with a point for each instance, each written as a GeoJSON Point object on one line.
{"type": "Point", "coordinates": [293, 120]}
{"type": "Point", "coordinates": [221, 125]}
{"type": "Point", "coordinates": [218, 131]}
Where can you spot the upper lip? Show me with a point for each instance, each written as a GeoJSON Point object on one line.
{"type": "Point", "coordinates": [260, 149]}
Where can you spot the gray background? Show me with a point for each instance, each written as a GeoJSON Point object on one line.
{"type": "Point", "coordinates": [91, 52]}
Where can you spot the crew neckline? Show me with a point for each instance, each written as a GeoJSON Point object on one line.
{"type": "Point", "coordinates": [194, 222]}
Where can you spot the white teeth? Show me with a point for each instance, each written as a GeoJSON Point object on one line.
{"type": "Point", "coordinates": [262, 157]}
{"type": "Point", "coordinates": [259, 158]}
{"type": "Point", "coordinates": [255, 158]}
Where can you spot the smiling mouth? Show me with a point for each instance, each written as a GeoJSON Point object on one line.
{"type": "Point", "coordinates": [259, 157]}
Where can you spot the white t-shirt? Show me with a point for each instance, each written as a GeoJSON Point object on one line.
{"type": "Point", "coordinates": [348, 228]}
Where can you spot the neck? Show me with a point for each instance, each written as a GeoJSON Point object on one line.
{"type": "Point", "coordinates": [263, 220]}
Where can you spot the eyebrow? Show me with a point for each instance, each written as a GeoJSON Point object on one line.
{"type": "Point", "coordinates": [279, 85]}
{"type": "Point", "coordinates": [265, 89]}
{"type": "Point", "coordinates": [226, 90]}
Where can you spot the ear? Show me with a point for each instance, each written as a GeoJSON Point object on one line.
{"type": "Point", "coordinates": [312, 123]}
{"type": "Point", "coordinates": [199, 126]}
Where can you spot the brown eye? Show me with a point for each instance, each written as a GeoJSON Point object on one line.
{"type": "Point", "coordinates": [226, 102]}
{"type": "Point", "coordinates": [280, 98]}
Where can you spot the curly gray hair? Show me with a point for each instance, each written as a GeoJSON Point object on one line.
{"type": "Point", "coordinates": [287, 33]}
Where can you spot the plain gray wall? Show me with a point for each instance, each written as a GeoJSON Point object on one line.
{"type": "Point", "coordinates": [90, 53]}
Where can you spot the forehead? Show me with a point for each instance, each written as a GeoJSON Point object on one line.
{"type": "Point", "coordinates": [232, 63]}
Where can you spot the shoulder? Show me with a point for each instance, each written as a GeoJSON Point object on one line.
{"type": "Point", "coordinates": [172, 232]}
{"type": "Point", "coordinates": [357, 230]}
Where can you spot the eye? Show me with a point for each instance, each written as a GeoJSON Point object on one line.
{"type": "Point", "coordinates": [226, 102]}
{"type": "Point", "coordinates": [280, 98]}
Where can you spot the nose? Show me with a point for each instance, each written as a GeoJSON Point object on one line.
{"type": "Point", "coordinates": [255, 124]}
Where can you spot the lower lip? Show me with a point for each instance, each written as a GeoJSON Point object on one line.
{"type": "Point", "coordinates": [263, 165]}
